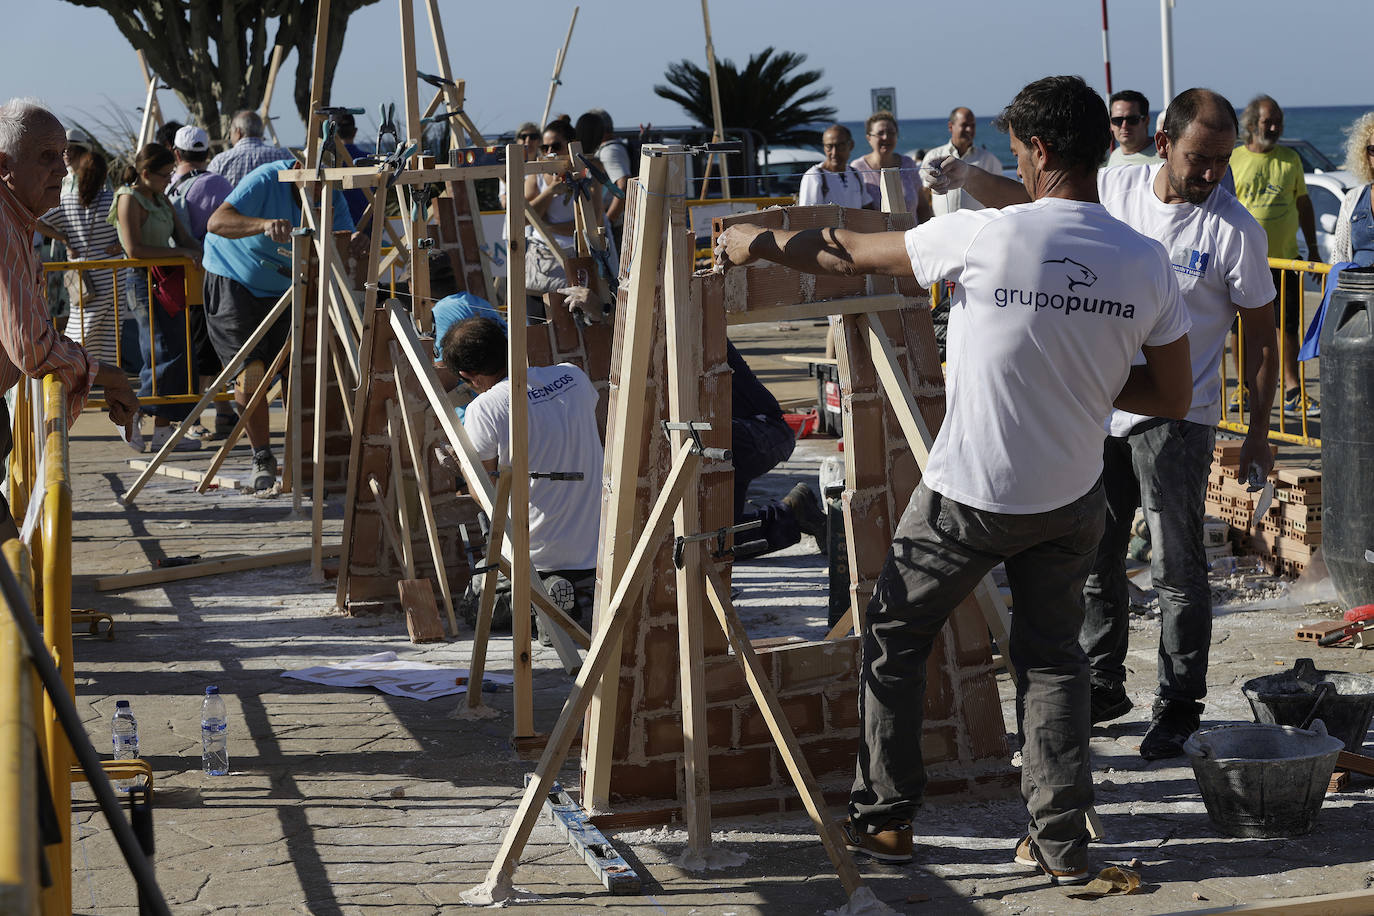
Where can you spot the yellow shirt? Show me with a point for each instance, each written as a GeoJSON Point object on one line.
{"type": "Point", "coordinates": [1269, 185]}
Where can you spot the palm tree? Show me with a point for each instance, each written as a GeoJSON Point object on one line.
{"type": "Point", "coordinates": [768, 96]}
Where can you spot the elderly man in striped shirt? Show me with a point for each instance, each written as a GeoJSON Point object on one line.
{"type": "Point", "coordinates": [31, 171]}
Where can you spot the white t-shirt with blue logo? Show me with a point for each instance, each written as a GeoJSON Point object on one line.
{"type": "Point", "coordinates": [1220, 257]}
{"type": "Point", "coordinates": [565, 515]}
{"type": "Point", "coordinates": [1054, 299]}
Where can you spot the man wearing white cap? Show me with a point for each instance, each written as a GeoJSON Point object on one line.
{"type": "Point", "coordinates": [196, 193]}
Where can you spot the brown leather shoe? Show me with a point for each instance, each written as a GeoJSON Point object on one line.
{"type": "Point", "coordinates": [892, 844]}
{"type": "Point", "coordinates": [1028, 854]}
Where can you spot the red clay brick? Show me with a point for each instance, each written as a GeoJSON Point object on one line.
{"type": "Point", "coordinates": [724, 681]}
{"type": "Point", "coordinates": [812, 666]}
{"type": "Point", "coordinates": [540, 349]}
{"type": "Point", "coordinates": [741, 769]}
{"type": "Point", "coordinates": [903, 476]}
{"type": "Point", "coordinates": [982, 711]}
{"type": "Point", "coordinates": [939, 702]}
{"type": "Point", "coordinates": [655, 779]}
{"type": "Point", "coordinates": [868, 443]}
{"type": "Point", "coordinates": [842, 706]}
{"type": "Point", "coordinates": [804, 713]}
{"type": "Point", "coordinates": [659, 668]}
{"type": "Point", "coordinates": [972, 645]}
{"type": "Point", "coordinates": [939, 743]}
{"type": "Point", "coordinates": [828, 756]}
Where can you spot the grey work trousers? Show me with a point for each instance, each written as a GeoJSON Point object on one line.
{"type": "Point", "coordinates": [941, 549]}
{"type": "Point", "coordinates": [1164, 471]}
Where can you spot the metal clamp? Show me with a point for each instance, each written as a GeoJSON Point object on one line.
{"type": "Point", "coordinates": [729, 146]}
{"type": "Point", "coordinates": [718, 536]}
{"type": "Point", "coordinates": [694, 430]}
{"type": "Point", "coordinates": [438, 82]}
{"type": "Point", "coordinates": [557, 475]}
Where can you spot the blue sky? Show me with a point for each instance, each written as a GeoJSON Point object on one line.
{"type": "Point", "coordinates": [937, 54]}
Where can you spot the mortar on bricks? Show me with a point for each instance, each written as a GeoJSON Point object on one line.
{"type": "Point", "coordinates": [1263, 780]}
{"type": "Point", "coordinates": [1304, 693]}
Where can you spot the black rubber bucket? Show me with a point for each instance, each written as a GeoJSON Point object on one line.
{"type": "Point", "coordinates": [1262, 780]}
{"type": "Point", "coordinates": [1347, 432]}
{"type": "Point", "coordinates": [1345, 705]}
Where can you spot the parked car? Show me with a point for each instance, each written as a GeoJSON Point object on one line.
{"type": "Point", "coordinates": [783, 167]}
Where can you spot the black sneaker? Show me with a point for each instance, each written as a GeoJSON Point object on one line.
{"type": "Point", "coordinates": [1109, 702]}
{"type": "Point", "coordinates": [806, 509]}
{"type": "Point", "coordinates": [1173, 721]}
{"type": "Point", "coordinates": [264, 470]}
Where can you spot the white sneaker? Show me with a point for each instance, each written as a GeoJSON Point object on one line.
{"type": "Point", "coordinates": [162, 433]}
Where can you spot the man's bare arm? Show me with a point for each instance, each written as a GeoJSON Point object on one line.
{"type": "Point", "coordinates": [994, 191]}
{"type": "Point", "coordinates": [229, 223]}
{"type": "Point", "coordinates": [816, 251]}
{"type": "Point", "coordinates": [1262, 352]}
{"type": "Point", "coordinates": [1163, 387]}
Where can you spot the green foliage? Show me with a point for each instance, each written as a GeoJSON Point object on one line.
{"type": "Point", "coordinates": [771, 95]}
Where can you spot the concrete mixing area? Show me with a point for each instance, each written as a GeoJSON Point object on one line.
{"type": "Point", "coordinates": [351, 801]}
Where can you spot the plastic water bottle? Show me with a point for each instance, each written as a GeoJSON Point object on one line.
{"type": "Point", "coordinates": [214, 734]}
{"type": "Point", "coordinates": [124, 735]}
{"type": "Point", "coordinates": [832, 474]}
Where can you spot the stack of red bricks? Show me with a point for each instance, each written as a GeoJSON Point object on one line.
{"type": "Point", "coordinates": [1289, 532]}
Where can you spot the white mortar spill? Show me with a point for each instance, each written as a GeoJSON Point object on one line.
{"type": "Point", "coordinates": [709, 859]}
{"type": "Point", "coordinates": [862, 901]}
{"type": "Point", "coordinates": [498, 893]}
{"type": "Point", "coordinates": [464, 711]}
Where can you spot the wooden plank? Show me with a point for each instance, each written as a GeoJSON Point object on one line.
{"type": "Point", "coordinates": [393, 537]}
{"type": "Point", "coordinates": [414, 444]}
{"type": "Point", "coordinates": [1348, 903]}
{"type": "Point", "coordinates": [558, 68]}
{"type": "Point", "coordinates": [366, 176]}
{"type": "Point", "coordinates": [517, 365]}
{"type": "Point", "coordinates": [295, 416]}
{"type": "Point", "coordinates": [254, 402]}
{"type": "Point", "coordinates": [230, 369]}
{"type": "Point", "coordinates": [1355, 763]}
{"type": "Point", "coordinates": [685, 361]}
{"type": "Point", "coordinates": [374, 324]}
{"type": "Point", "coordinates": [315, 120]}
{"type": "Point", "coordinates": [235, 563]}
{"type": "Point", "coordinates": [178, 472]}
{"type": "Point", "coordinates": [325, 245]}
{"type": "Point", "coordinates": [626, 431]}
{"type": "Point", "coordinates": [393, 435]}
{"type": "Point", "coordinates": [605, 648]}
{"type": "Point", "coordinates": [857, 305]}
{"type": "Point", "coordinates": [278, 53]}
{"type": "Point", "coordinates": [890, 183]}
{"type": "Point", "coordinates": [422, 614]}
{"type": "Point", "coordinates": [478, 663]}
{"type": "Point", "coordinates": [761, 686]}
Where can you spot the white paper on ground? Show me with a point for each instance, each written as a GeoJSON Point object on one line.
{"type": "Point", "coordinates": [398, 677]}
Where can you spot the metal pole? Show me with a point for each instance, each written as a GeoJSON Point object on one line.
{"type": "Point", "coordinates": [1166, 41]}
{"type": "Point", "coordinates": [1106, 49]}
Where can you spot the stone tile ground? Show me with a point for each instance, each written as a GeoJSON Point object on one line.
{"type": "Point", "coordinates": [353, 802]}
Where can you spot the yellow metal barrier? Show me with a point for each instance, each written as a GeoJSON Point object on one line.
{"type": "Point", "coordinates": [1235, 410]}
{"type": "Point", "coordinates": [19, 773]}
{"type": "Point", "coordinates": [194, 297]}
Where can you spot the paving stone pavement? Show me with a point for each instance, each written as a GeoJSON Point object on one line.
{"type": "Point", "coordinates": [355, 802]}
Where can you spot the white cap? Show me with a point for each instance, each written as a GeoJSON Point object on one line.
{"type": "Point", "coordinates": [78, 137]}
{"type": "Point", "coordinates": [192, 139]}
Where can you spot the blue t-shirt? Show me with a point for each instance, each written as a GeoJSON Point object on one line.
{"type": "Point", "coordinates": [450, 310]}
{"type": "Point", "coordinates": [254, 260]}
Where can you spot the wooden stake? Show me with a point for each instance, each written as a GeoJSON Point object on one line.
{"type": "Point", "coordinates": [684, 321]}
{"type": "Point", "coordinates": [210, 568]}
{"type": "Point", "coordinates": [597, 666]}
{"type": "Point", "coordinates": [761, 686]}
{"type": "Point", "coordinates": [630, 422]}
{"type": "Point", "coordinates": [315, 119]}
{"type": "Point", "coordinates": [719, 135]}
{"type": "Point", "coordinates": [414, 443]}
{"type": "Point", "coordinates": [557, 71]}
{"type": "Point", "coordinates": [278, 53]}
{"type": "Point", "coordinates": [295, 415]}
{"type": "Point", "coordinates": [517, 362]}
{"type": "Point", "coordinates": [478, 663]}
{"type": "Point", "coordinates": [229, 370]}
{"type": "Point", "coordinates": [398, 484]}
{"type": "Point", "coordinates": [258, 397]}
{"type": "Point", "coordinates": [325, 244]}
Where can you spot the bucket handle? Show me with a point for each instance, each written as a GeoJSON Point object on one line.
{"type": "Point", "coordinates": [1322, 691]}
{"type": "Point", "coordinates": [1318, 728]}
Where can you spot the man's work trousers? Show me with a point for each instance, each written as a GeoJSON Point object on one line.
{"type": "Point", "coordinates": [1164, 471]}
{"type": "Point", "coordinates": [941, 550]}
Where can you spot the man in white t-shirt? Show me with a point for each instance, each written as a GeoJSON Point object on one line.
{"type": "Point", "coordinates": [1219, 256]}
{"type": "Point", "coordinates": [1054, 299]}
{"type": "Point", "coordinates": [833, 180]}
{"type": "Point", "coordinates": [963, 127]}
{"type": "Point", "coordinates": [1131, 130]}
{"type": "Point", "coordinates": [565, 515]}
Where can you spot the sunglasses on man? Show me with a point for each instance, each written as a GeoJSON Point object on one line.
{"type": "Point", "coordinates": [1132, 120]}
{"type": "Point", "coordinates": [550, 147]}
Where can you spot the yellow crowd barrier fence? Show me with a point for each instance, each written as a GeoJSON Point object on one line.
{"type": "Point", "coordinates": [1294, 306]}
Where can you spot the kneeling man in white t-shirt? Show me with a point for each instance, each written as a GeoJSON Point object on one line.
{"type": "Point", "coordinates": [1054, 299]}
{"type": "Point", "coordinates": [565, 515]}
